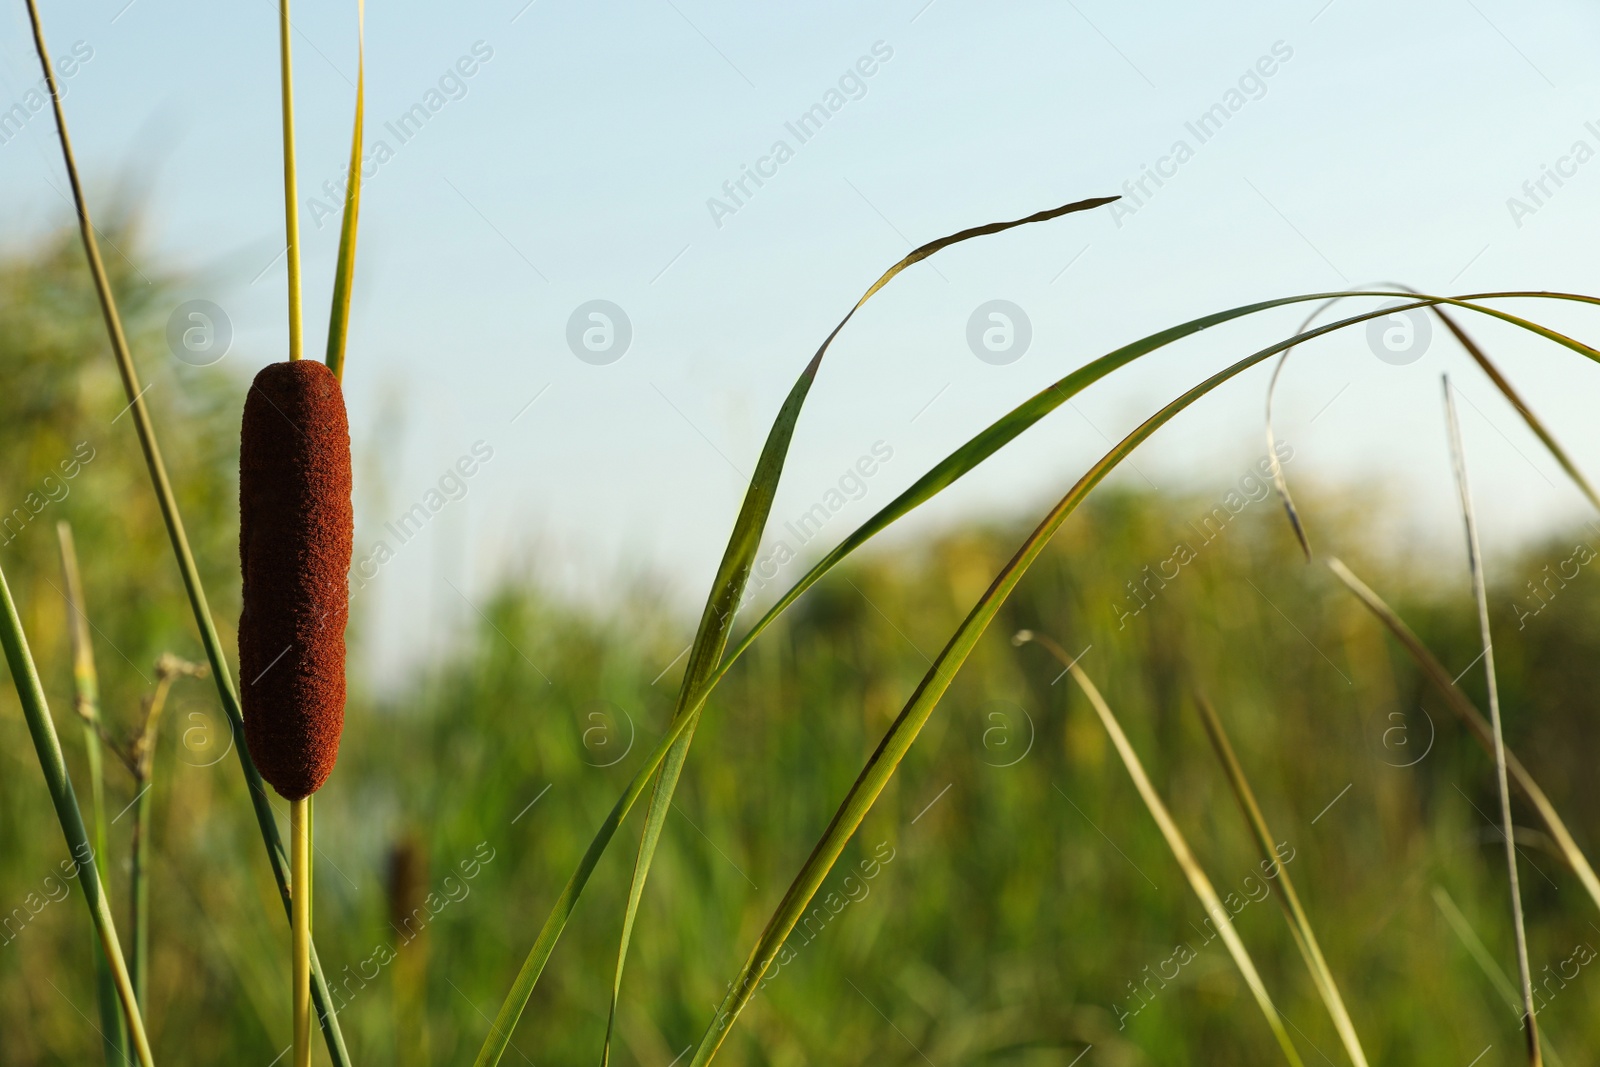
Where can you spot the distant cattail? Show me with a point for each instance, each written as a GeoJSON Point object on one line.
{"type": "Point", "coordinates": [295, 532]}
{"type": "Point", "coordinates": [407, 885]}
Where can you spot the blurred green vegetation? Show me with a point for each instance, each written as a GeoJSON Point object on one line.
{"type": "Point", "coordinates": [1009, 900]}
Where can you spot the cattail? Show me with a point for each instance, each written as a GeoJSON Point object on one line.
{"type": "Point", "coordinates": [295, 533]}
{"type": "Point", "coordinates": [407, 885]}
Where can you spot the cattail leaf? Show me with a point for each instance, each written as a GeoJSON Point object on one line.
{"type": "Point", "coordinates": [728, 588]}
{"type": "Point", "coordinates": [1014, 423]}
{"type": "Point", "coordinates": [345, 271]}
{"type": "Point", "coordinates": [1482, 359]}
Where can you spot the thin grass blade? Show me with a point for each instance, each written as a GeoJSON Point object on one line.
{"type": "Point", "coordinates": [43, 730]}
{"type": "Point", "coordinates": [1507, 827]}
{"type": "Point", "coordinates": [1464, 710]}
{"type": "Point", "coordinates": [345, 271]}
{"type": "Point", "coordinates": [1191, 867]}
{"type": "Point", "coordinates": [1015, 422]}
{"type": "Point", "coordinates": [1299, 923]}
{"type": "Point", "coordinates": [86, 700]}
{"type": "Point", "coordinates": [1475, 947]}
{"type": "Point", "coordinates": [1545, 436]}
{"type": "Point", "coordinates": [162, 484]}
{"type": "Point", "coordinates": [1479, 356]}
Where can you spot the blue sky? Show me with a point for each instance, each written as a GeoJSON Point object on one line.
{"type": "Point", "coordinates": [583, 159]}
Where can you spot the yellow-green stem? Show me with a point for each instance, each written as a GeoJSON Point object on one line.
{"type": "Point", "coordinates": [300, 871]}
{"type": "Point", "coordinates": [291, 220]}
{"type": "Point", "coordinates": [86, 701]}
{"type": "Point", "coordinates": [35, 709]}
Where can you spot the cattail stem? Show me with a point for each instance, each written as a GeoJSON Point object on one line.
{"type": "Point", "coordinates": [300, 869]}
{"type": "Point", "coordinates": [291, 218]}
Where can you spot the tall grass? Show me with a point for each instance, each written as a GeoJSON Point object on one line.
{"type": "Point", "coordinates": [30, 693]}
{"type": "Point", "coordinates": [86, 701]}
{"type": "Point", "coordinates": [1497, 731]}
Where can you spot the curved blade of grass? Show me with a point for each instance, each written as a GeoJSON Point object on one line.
{"type": "Point", "coordinates": [712, 637]}
{"type": "Point", "coordinates": [1479, 356]}
{"type": "Point", "coordinates": [1299, 924]}
{"type": "Point", "coordinates": [344, 273]}
{"type": "Point", "coordinates": [35, 709]}
{"type": "Point", "coordinates": [897, 741]}
{"type": "Point", "coordinates": [716, 623]}
{"type": "Point", "coordinates": [1462, 707]}
{"type": "Point", "coordinates": [1482, 359]}
{"type": "Point", "coordinates": [1507, 827]}
{"type": "Point", "coordinates": [1279, 482]}
{"type": "Point", "coordinates": [1474, 945]}
{"type": "Point", "coordinates": [1191, 867]}
{"type": "Point", "coordinates": [86, 700]}
{"type": "Point", "coordinates": [948, 471]}
{"type": "Point", "coordinates": [1002, 431]}
{"type": "Point", "coordinates": [145, 429]}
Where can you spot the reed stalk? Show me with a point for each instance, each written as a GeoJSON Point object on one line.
{"type": "Point", "coordinates": [141, 761]}
{"type": "Point", "coordinates": [1507, 828]}
{"type": "Point", "coordinates": [30, 693]}
{"type": "Point", "coordinates": [1468, 715]}
{"type": "Point", "coordinates": [86, 701]}
{"type": "Point", "coordinates": [1288, 897]}
{"type": "Point", "coordinates": [1192, 870]}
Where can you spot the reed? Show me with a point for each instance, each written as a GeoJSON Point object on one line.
{"type": "Point", "coordinates": [48, 747]}
{"type": "Point", "coordinates": [1192, 871]}
{"type": "Point", "coordinates": [1299, 924]}
{"type": "Point", "coordinates": [86, 701]}
{"type": "Point", "coordinates": [1507, 827]}
{"type": "Point", "coordinates": [140, 758]}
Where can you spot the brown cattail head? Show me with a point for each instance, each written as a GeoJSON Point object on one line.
{"type": "Point", "coordinates": [295, 532]}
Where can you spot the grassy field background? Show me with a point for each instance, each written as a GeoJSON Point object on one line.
{"type": "Point", "coordinates": [1008, 901]}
